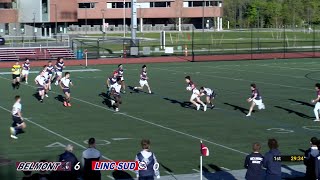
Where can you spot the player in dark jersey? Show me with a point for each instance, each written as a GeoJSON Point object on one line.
{"type": "Point", "coordinates": [255, 99]}
{"type": "Point", "coordinates": [143, 79]}
{"type": "Point", "coordinates": [253, 164]}
{"type": "Point", "coordinates": [120, 75]}
{"type": "Point", "coordinates": [51, 71]}
{"type": "Point", "coordinates": [59, 69]}
{"type": "Point", "coordinates": [25, 70]}
{"type": "Point", "coordinates": [316, 102]}
{"type": "Point", "coordinates": [195, 97]}
{"type": "Point", "coordinates": [210, 95]}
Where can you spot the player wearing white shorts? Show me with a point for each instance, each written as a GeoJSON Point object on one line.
{"type": "Point", "coordinates": [195, 96]}
{"type": "Point", "coordinates": [317, 103]}
{"type": "Point", "coordinates": [65, 83]}
{"type": "Point", "coordinates": [18, 124]}
{"type": "Point", "coordinates": [111, 81]}
{"type": "Point", "coordinates": [255, 99]}
{"type": "Point", "coordinates": [210, 95]}
{"type": "Point", "coordinates": [40, 81]}
{"type": "Point", "coordinates": [59, 69]}
{"type": "Point", "coordinates": [25, 70]}
{"type": "Point", "coordinates": [120, 75]}
{"type": "Point", "coordinates": [143, 79]}
{"type": "Point", "coordinates": [115, 94]}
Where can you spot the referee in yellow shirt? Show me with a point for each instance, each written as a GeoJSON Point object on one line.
{"type": "Point", "coordinates": [16, 70]}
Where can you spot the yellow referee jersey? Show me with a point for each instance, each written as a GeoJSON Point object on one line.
{"type": "Point", "coordinates": [16, 69]}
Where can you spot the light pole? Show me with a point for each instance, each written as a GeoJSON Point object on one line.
{"type": "Point", "coordinates": [86, 20]}
{"type": "Point", "coordinates": [103, 23]}
{"type": "Point", "coordinates": [124, 18]}
{"type": "Point", "coordinates": [34, 26]}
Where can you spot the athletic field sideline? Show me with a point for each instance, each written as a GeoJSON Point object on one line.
{"type": "Point", "coordinates": [175, 128]}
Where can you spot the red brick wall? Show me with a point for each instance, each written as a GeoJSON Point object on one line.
{"type": "Point", "coordinates": [8, 15]}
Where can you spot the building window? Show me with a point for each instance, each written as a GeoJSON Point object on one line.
{"type": "Point", "coordinates": [6, 28]}
{"type": "Point", "coordinates": [197, 3]}
{"type": "Point", "coordinates": [200, 3]}
{"type": "Point", "coordinates": [87, 5]}
{"type": "Point", "coordinates": [120, 5]}
{"type": "Point", "coordinates": [160, 4]}
{"type": "Point", "coordinates": [5, 5]}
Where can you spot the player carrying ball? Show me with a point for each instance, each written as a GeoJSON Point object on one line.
{"type": "Point", "coordinates": [210, 95]}
{"type": "Point", "coordinates": [65, 83]}
{"type": "Point", "coordinates": [143, 79]}
{"type": "Point", "coordinates": [120, 75]}
{"type": "Point", "coordinates": [195, 94]}
{"type": "Point", "coordinates": [255, 99]}
{"type": "Point", "coordinates": [41, 83]}
{"type": "Point", "coordinates": [111, 81]}
{"type": "Point", "coordinates": [18, 124]}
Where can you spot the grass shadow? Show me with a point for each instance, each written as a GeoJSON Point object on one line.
{"type": "Point", "coordinates": [59, 98]}
{"type": "Point", "coordinates": [294, 112]}
{"type": "Point", "coordinates": [241, 109]}
{"type": "Point", "coordinates": [302, 103]}
{"type": "Point", "coordinates": [184, 104]}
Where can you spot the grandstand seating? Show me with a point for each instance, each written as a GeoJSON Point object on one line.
{"type": "Point", "coordinates": [12, 54]}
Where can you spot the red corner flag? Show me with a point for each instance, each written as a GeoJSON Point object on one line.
{"type": "Point", "coordinates": [204, 149]}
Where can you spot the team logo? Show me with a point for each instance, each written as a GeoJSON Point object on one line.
{"type": "Point", "coordinates": [142, 165]}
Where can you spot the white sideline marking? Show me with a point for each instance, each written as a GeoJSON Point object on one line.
{"type": "Point", "coordinates": [225, 168]}
{"type": "Point", "coordinates": [195, 170]}
{"type": "Point", "coordinates": [71, 70]}
{"type": "Point", "coordinates": [302, 69]}
{"type": "Point", "coordinates": [168, 172]}
{"type": "Point", "coordinates": [261, 82]}
{"type": "Point", "coordinates": [148, 122]}
{"type": "Point", "coordinates": [52, 132]}
{"type": "Point", "coordinates": [110, 177]}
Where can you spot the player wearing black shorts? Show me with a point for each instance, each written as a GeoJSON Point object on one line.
{"type": "Point", "coordinates": [18, 124]}
{"type": "Point", "coordinates": [115, 94]}
{"type": "Point", "coordinates": [65, 83]}
{"type": "Point", "coordinates": [16, 71]}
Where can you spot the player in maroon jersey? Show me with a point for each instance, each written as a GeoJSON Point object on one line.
{"type": "Point", "coordinates": [317, 102]}
{"type": "Point", "coordinates": [143, 79]}
{"type": "Point", "coordinates": [195, 97]}
{"type": "Point", "coordinates": [25, 70]}
{"type": "Point", "coordinates": [255, 99]}
{"type": "Point", "coordinates": [120, 75]}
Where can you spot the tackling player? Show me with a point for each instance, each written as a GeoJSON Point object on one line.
{"type": "Point", "coordinates": [255, 99]}
{"type": "Point", "coordinates": [65, 83]}
{"type": "Point", "coordinates": [115, 94]}
{"type": "Point", "coordinates": [46, 80]}
{"type": "Point", "coordinates": [210, 95]}
{"type": "Point", "coordinates": [25, 70]}
{"type": "Point", "coordinates": [195, 94]}
{"type": "Point", "coordinates": [16, 70]}
{"type": "Point", "coordinates": [40, 81]}
{"type": "Point", "coordinates": [59, 68]}
{"type": "Point", "coordinates": [143, 79]}
{"type": "Point", "coordinates": [317, 103]}
{"type": "Point", "coordinates": [120, 75]}
{"type": "Point", "coordinates": [18, 124]}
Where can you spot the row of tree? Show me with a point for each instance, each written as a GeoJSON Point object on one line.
{"type": "Point", "coordinates": [272, 13]}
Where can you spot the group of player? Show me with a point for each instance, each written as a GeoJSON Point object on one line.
{"type": "Point", "coordinates": [116, 85]}
{"type": "Point", "coordinates": [48, 74]}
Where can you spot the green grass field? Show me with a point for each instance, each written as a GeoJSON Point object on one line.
{"type": "Point", "coordinates": [287, 86]}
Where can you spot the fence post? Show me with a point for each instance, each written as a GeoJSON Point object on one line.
{"type": "Point", "coordinates": [98, 45]}
{"type": "Point", "coordinates": [314, 41]}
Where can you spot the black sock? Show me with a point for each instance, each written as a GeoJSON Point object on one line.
{"type": "Point", "coordinates": [13, 85]}
{"type": "Point", "coordinates": [17, 85]}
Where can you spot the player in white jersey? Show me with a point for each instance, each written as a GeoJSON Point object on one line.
{"type": "Point", "coordinates": [25, 70]}
{"type": "Point", "coordinates": [120, 72]}
{"type": "Point", "coordinates": [115, 94]}
{"type": "Point", "coordinates": [210, 95]}
{"type": "Point", "coordinates": [40, 81]}
{"type": "Point", "coordinates": [65, 83]}
{"type": "Point", "coordinates": [195, 97]}
{"type": "Point", "coordinates": [18, 124]}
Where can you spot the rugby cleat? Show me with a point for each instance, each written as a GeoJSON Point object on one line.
{"type": "Point", "coordinates": [14, 137]}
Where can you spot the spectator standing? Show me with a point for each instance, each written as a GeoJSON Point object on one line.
{"type": "Point", "coordinates": [310, 159]}
{"type": "Point", "coordinates": [273, 168]}
{"type": "Point", "coordinates": [150, 161]}
{"type": "Point", "coordinates": [68, 156]}
{"type": "Point", "coordinates": [89, 155]}
{"type": "Point", "coordinates": [253, 163]}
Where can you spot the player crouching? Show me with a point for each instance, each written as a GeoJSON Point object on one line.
{"type": "Point", "coordinates": [40, 81]}
{"type": "Point", "coordinates": [255, 99]}
{"type": "Point", "coordinates": [65, 83]}
{"type": "Point", "coordinates": [210, 95]}
{"type": "Point", "coordinates": [195, 94]}
{"type": "Point", "coordinates": [18, 124]}
{"type": "Point", "coordinates": [115, 94]}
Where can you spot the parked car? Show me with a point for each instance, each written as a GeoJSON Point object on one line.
{"type": "Point", "coordinates": [2, 41]}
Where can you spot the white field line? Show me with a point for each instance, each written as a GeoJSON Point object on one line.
{"type": "Point", "coordinates": [149, 122]}
{"type": "Point", "coordinates": [71, 70]}
{"type": "Point", "coordinates": [290, 68]}
{"type": "Point", "coordinates": [54, 133]}
{"type": "Point", "coordinates": [236, 79]}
